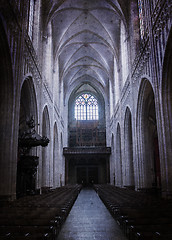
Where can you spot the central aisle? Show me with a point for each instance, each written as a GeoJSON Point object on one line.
{"type": "Point", "coordinates": [89, 219]}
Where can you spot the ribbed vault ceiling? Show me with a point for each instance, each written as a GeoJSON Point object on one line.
{"type": "Point", "coordinates": [86, 36]}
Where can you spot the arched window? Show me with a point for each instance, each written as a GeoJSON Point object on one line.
{"type": "Point", "coordinates": [31, 18]}
{"type": "Point", "coordinates": [86, 107]}
{"type": "Point", "coordinates": [140, 6]}
{"type": "Point", "coordinates": [124, 53]}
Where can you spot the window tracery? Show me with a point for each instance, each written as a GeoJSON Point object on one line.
{"type": "Point", "coordinates": [86, 107]}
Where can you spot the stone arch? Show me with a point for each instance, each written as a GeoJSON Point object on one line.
{"type": "Point", "coordinates": [45, 151]}
{"type": "Point", "coordinates": [9, 134]}
{"type": "Point", "coordinates": [28, 109]}
{"type": "Point", "coordinates": [28, 103]}
{"type": "Point", "coordinates": [93, 90]}
{"type": "Point", "coordinates": [98, 125]}
{"type": "Point", "coordinates": [166, 94]}
{"type": "Point", "coordinates": [118, 164]}
{"type": "Point", "coordinates": [128, 149]}
{"type": "Point", "coordinates": [147, 141]}
{"type": "Point", "coordinates": [55, 157]}
{"type": "Point", "coordinates": [80, 82]}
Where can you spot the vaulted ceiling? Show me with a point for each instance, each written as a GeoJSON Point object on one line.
{"type": "Point", "coordinates": [86, 38]}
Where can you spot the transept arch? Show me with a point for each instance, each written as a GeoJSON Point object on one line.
{"type": "Point", "coordinates": [147, 141]}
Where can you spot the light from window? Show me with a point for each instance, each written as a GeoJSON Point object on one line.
{"type": "Point", "coordinates": [140, 6]}
{"type": "Point", "coordinates": [31, 16]}
{"type": "Point", "coordinates": [86, 107]}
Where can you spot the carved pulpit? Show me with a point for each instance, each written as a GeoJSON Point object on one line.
{"type": "Point", "coordinates": [27, 163]}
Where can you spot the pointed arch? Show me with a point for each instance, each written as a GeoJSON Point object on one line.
{"type": "Point", "coordinates": [56, 156]}
{"type": "Point", "coordinates": [93, 125]}
{"type": "Point", "coordinates": [45, 151]}
{"type": "Point", "coordinates": [128, 149]}
{"type": "Point", "coordinates": [118, 167]}
{"type": "Point", "coordinates": [28, 109]}
{"type": "Point", "coordinates": [149, 174]}
{"type": "Point", "coordinates": [28, 103]}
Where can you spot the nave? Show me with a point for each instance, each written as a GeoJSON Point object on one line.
{"type": "Point", "coordinates": [85, 94]}
{"type": "Point", "coordinates": [74, 212]}
{"type": "Point", "coordinates": [37, 217]}
{"type": "Point", "coordinates": [85, 98]}
{"type": "Point", "coordinates": [89, 219]}
{"type": "Point", "coordinates": [142, 215]}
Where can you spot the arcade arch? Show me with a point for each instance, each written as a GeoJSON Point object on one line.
{"type": "Point", "coordinates": [147, 141]}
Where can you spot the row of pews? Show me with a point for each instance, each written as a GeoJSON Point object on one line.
{"type": "Point", "coordinates": [142, 216]}
{"type": "Point", "coordinates": [37, 217]}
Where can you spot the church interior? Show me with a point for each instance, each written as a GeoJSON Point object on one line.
{"type": "Point", "coordinates": [85, 101]}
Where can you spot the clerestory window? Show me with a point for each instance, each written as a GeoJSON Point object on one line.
{"type": "Point", "coordinates": [31, 18]}
{"type": "Point", "coordinates": [86, 107]}
{"type": "Point", "coordinates": [140, 6]}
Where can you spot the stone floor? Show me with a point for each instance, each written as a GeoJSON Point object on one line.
{"type": "Point", "coordinates": [89, 219]}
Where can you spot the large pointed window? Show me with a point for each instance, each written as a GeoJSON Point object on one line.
{"type": "Point", "coordinates": [86, 107]}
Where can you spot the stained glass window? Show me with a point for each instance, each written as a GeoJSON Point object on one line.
{"type": "Point", "coordinates": [86, 107]}
{"type": "Point", "coordinates": [140, 6]}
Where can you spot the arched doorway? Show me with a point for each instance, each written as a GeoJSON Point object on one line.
{"type": "Point", "coordinates": [128, 144]}
{"type": "Point", "coordinates": [148, 150]}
